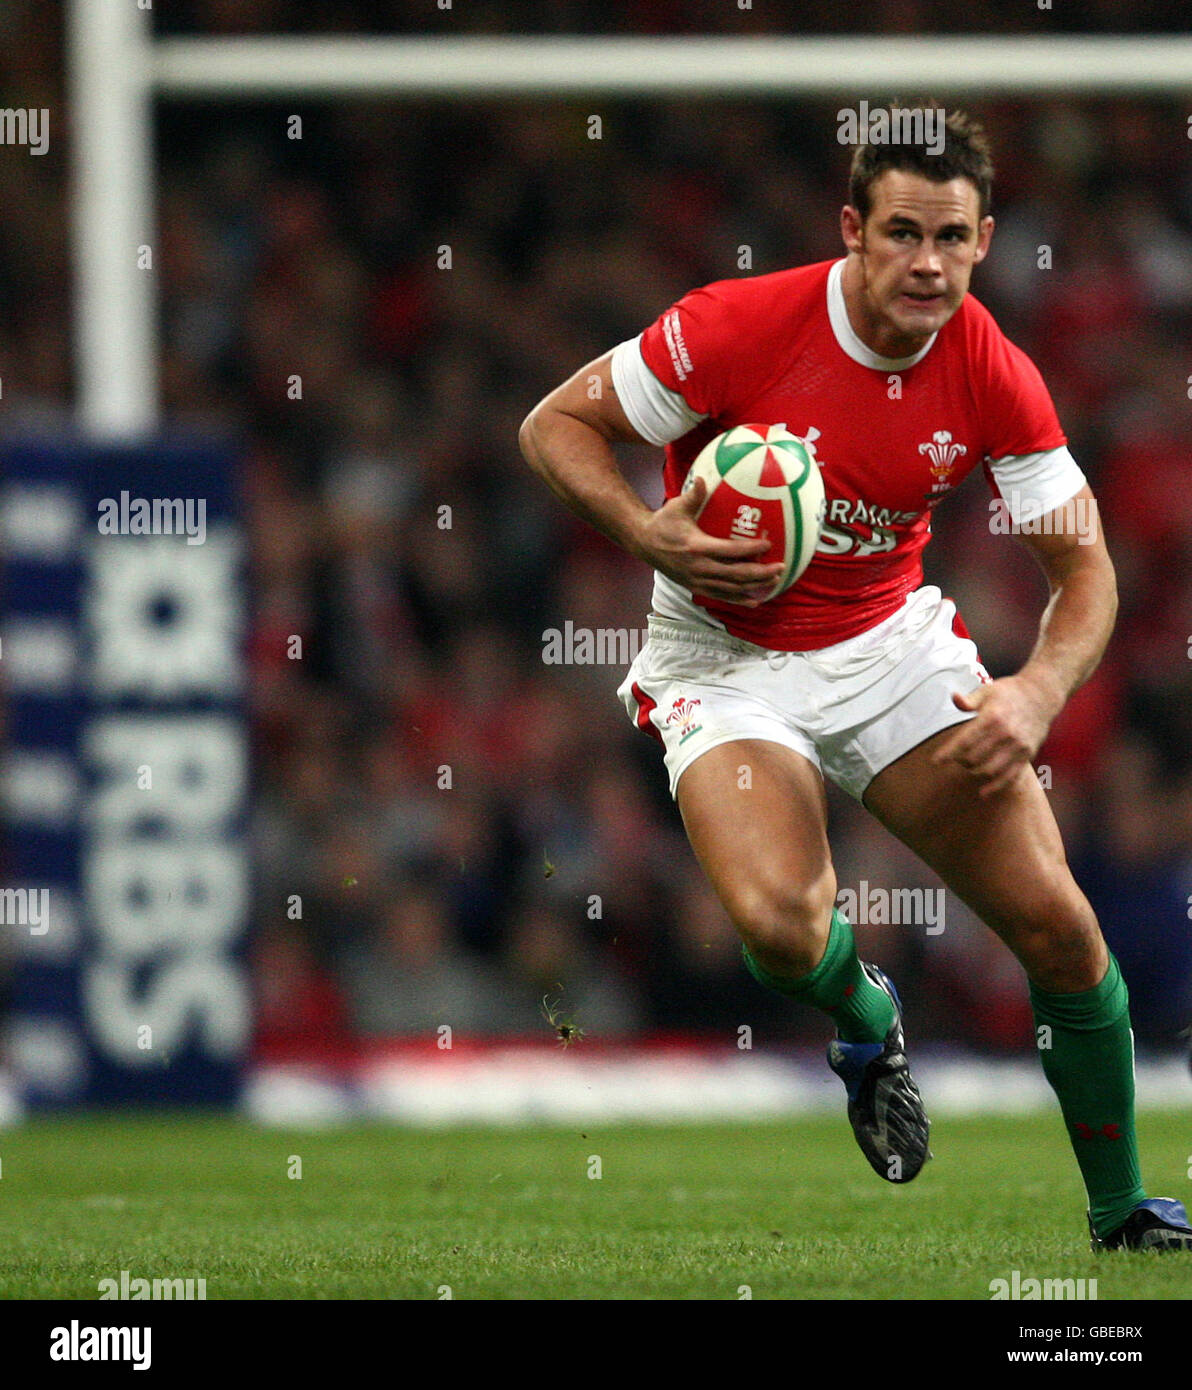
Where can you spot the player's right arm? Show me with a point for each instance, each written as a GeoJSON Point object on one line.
{"type": "Point", "coordinates": [568, 438]}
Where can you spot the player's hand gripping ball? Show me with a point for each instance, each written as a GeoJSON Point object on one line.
{"type": "Point", "coordinates": [763, 481]}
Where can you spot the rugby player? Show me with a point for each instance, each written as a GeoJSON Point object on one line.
{"type": "Point", "coordinates": [859, 672]}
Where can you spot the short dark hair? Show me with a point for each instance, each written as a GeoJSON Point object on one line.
{"type": "Point", "coordinates": [965, 156]}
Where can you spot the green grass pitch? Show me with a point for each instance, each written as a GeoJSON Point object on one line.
{"type": "Point", "coordinates": [788, 1209]}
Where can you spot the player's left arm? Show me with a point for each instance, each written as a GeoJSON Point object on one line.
{"type": "Point", "coordinates": [1014, 714]}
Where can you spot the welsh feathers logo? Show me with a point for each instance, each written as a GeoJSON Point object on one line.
{"type": "Point", "coordinates": [943, 454]}
{"type": "Point", "coordinates": [683, 714]}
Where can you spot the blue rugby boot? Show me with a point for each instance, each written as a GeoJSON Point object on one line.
{"type": "Point", "coordinates": [884, 1105]}
{"type": "Point", "coordinates": [1159, 1223]}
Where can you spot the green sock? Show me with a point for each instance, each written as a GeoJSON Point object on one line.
{"type": "Point", "coordinates": [1088, 1057]}
{"type": "Point", "coordinates": [861, 1010]}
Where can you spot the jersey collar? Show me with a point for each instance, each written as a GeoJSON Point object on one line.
{"type": "Point", "coordinates": [847, 338]}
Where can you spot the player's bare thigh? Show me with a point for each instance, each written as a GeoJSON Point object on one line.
{"type": "Point", "coordinates": [1002, 855]}
{"type": "Point", "coordinates": [756, 816]}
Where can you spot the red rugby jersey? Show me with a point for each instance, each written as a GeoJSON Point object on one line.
{"type": "Point", "coordinates": [892, 437]}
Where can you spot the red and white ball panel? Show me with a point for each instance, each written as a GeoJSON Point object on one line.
{"type": "Point", "coordinates": [763, 481]}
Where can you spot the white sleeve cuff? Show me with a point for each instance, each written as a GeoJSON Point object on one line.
{"type": "Point", "coordinates": [1032, 485]}
{"type": "Point", "coordinates": [655, 412]}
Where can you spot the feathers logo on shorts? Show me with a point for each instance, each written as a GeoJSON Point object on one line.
{"type": "Point", "coordinates": [683, 714]}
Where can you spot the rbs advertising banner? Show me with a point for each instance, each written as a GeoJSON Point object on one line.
{"type": "Point", "coordinates": [125, 897]}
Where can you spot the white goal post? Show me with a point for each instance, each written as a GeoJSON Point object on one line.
{"type": "Point", "coordinates": [116, 69]}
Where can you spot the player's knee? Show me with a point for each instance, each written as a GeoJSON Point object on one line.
{"type": "Point", "coordinates": [785, 922]}
{"type": "Point", "coordinates": [1060, 942]}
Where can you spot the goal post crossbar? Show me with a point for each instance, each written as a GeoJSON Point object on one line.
{"type": "Point", "coordinates": [116, 70]}
{"type": "Point", "coordinates": [653, 67]}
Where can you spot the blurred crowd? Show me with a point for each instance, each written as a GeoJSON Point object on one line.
{"type": "Point", "coordinates": [373, 307]}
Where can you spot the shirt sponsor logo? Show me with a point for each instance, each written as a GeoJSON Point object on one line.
{"type": "Point", "coordinates": [839, 534]}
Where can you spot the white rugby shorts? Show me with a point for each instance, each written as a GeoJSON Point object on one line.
{"type": "Point", "coordinates": [851, 709]}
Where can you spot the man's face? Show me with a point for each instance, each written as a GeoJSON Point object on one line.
{"type": "Point", "coordinates": [916, 252]}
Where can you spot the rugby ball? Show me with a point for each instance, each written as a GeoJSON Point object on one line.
{"type": "Point", "coordinates": [763, 481]}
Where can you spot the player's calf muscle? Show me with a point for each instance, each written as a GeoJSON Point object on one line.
{"type": "Point", "coordinates": [1004, 858]}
